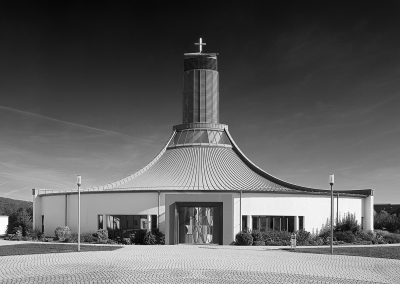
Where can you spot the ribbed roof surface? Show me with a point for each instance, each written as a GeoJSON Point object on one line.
{"type": "Point", "coordinates": [200, 168]}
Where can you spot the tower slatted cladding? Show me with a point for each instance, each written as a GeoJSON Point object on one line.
{"type": "Point", "coordinates": [201, 88]}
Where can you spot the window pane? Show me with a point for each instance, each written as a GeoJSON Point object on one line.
{"type": "Point", "coordinates": [224, 139]}
{"type": "Point", "coordinates": [100, 222]}
{"type": "Point", "coordinates": [301, 222]}
{"type": "Point", "coordinates": [182, 137]}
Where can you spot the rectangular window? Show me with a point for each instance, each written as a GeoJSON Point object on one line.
{"type": "Point", "coordinates": [154, 224]}
{"type": "Point", "coordinates": [244, 223]}
{"type": "Point", "coordinates": [100, 222]}
{"type": "Point", "coordinates": [301, 222]}
{"type": "Point", "coordinates": [255, 223]}
{"type": "Point", "coordinates": [273, 223]}
{"type": "Point", "coordinates": [42, 224]}
{"type": "Point", "coordinates": [121, 226]}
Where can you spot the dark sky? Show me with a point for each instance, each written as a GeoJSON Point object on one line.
{"type": "Point", "coordinates": [307, 88]}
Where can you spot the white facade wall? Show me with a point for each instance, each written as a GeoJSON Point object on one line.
{"type": "Point", "coordinates": [60, 210]}
{"type": "Point", "coordinates": [314, 208]}
{"type": "Point", "coordinates": [3, 225]}
{"type": "Point", "coordinates": [92, 205]}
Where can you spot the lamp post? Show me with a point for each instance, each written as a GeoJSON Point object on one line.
{"type": "Point", "coordinates": [79, 182]}
{"type": "Point", "coordinates": [331, 182]}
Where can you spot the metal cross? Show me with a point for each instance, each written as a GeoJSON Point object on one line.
{"type": "Point", "coordinates": [200, 44]}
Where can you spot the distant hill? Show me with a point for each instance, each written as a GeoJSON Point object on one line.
{"type": "Point", "coordinates": [8, 205]}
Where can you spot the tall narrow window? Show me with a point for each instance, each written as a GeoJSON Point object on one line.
{"type": "Point", "coordinates": [42, 224]}
{"type": "Point", "coordinates": [100, 221]}
{"type": "Point", "coordinates": [153, 222]}
{"type": "Point", "coordinates": [244, 223]}
{"type": "Point", "coordinates": [301, 222]}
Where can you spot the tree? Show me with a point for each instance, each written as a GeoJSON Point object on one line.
{"type": "Point", "coordinates": [21, 219]}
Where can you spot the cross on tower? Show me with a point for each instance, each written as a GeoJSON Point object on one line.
{"type": "Point", "coordinates": [200, 44]}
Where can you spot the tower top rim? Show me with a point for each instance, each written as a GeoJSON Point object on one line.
{"type": "Point", "coordinates": [201, 54]}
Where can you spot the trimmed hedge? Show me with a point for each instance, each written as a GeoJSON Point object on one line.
{"type": "Point", "coordinates": [244, 239]}
{"type": "Point", "coordinates": [62, 233]}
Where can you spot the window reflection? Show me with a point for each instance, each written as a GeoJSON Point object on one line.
{"type": "Point", "coordinates": [200, 136]}
{"type": "Point", "coordinates": [198, 225]}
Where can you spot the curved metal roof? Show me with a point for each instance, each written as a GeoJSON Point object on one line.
{"type": "Point", "coordinates": [202, 167]}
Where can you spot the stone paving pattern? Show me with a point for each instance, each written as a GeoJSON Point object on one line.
{"type": "Point", "coordinates": [196, 264]}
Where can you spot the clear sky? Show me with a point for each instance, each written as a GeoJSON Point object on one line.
{"type": "Point", "coordinates": [307, 89]}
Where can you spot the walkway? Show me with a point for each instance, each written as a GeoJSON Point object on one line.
{"type": "Point", "coordinates": [196, 264]}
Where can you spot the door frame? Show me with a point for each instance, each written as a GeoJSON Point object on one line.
{"type": "Point", "coordinates": [174, 221]}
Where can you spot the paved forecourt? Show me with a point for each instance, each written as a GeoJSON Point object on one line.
{"type": "Point", "coordinates": [196, 264]}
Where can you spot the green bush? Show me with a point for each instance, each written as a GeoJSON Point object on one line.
{"type": "Point", "coordinates": [303, 238]}
{"type": "Point", "coordinates": [132, 238]}
{"type": "Point", "coordinates": [16, 234]}
{"type": "Point", "coordinates": [62, 233]}
{"type": "Point", "coordinates": [36, 235]}
{"type": "Point", "coordinates": [392, 238]}
{"type": "Point", "coordinates": [126, 241]}
{"type": "Point", "coordinates": [149, 239]}
{"type": "Point", "coordinates": [160, 237]}
{"type": "Point", "coordinates": [347, 236]}
{"type": "Point", "coordinates": [385, 221]}
{"type": "Point", "coordinates": [101, 236]}
{"type": "Point", "coordinates": [257, 236]}
{"type": "Point", "coordinates": [364, 237]}
{"type": "Point", "coordinates": [72, 238]}
{"type": "Point", "coordinates": [22, 218]}
{"type": "Point", "coordinates": [347, 223]}
{"type": "Point", "coordinates": [317, 241]}
{"type": "Point", "coordinates": [243, 239]}
{"type": "Point", "coordinates": [277, 238]}
{"type": "Point", "coordinates": [258, 243]}
{"type": "Point", "coordinates": [385, 237]}
{"type": "Point", "coordinates": [88, 238]}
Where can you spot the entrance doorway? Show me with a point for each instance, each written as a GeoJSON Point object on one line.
{"type": "Point", "coordinates": [198, 223]}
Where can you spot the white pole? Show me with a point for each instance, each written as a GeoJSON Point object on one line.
{"type": "Point", "coordinates": [79, 182]}
{"type": "Point", "coordinates": [331, 181]}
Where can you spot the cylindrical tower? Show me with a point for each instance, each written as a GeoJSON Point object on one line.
{"type": "Point", "coordinates": [200, 88]}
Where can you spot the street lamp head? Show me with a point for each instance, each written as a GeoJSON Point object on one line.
{"type": "Point", "coordinates": [331, 179]}
{"type": "Point", "coordinates": [79, 180]}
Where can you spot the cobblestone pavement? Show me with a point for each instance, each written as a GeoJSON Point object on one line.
{"type": "Point", "coordinates": [196, 264]}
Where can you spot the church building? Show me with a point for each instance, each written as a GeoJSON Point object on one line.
{"type": "Point", "coordinates": [201, 188]}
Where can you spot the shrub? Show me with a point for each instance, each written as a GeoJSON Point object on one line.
{"type": "Point", "coordinates": [126, 241]}
{"type": "Point", "coordinates": [392, 238]}
{"type": "Point", "coordinates": [72, 238]}
{"type": "Point", "coordinates": [347, 223]}
{"type": "Point", "coordinates": [244, 239]}
{"type": "Point", "coordinates": [347, 236]}
{"type": "Point", "coordinates": [160, 237]}
{"type": "Point", "coordinates": [258, 243]}
{"type": "Point", "coordinates": [17, 234]}
{"type": "Point", "coordinates": [139, 236]}
{"type": "Point", "coordinates": [364, 237]}
{"type": "Point", "coordinates": [149, 239]}
{"type": "Point", "coordinates": [257, 236]}
{"type": "Point", "coordinates": [277, 238]}
{"type": "Point", "coordinates": [62, 233]}
{"type": "Point", "coordinates": [20, 218]}
{"type": "Point", "coordinates": [101, 236]}
{"type": "Point", "coordinates": [36, 234]}
{"type": "Point", "coordinates": [317, 241]}
{"type": "Point", "coordinates": [303, 238]}
{"type": "Point", "coordinates": [88, 238]}
{"type": "Point", "coordinates": [385, 221]}
{"type": "Point", "coordinates": [132, 238]}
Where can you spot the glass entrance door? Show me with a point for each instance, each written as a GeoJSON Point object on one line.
{"type": "Point", "coordinates": [199, 225]}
